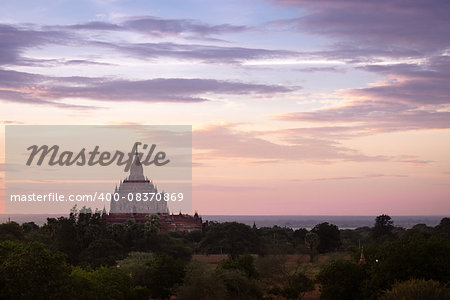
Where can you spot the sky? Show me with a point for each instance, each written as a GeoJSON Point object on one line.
{"type": "Point", "coordinates": [297, 107]}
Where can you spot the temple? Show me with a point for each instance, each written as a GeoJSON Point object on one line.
{"type": "Point", "coordinates": [136, 186]}
{"type": "Point", "coordinates": [127, 208]}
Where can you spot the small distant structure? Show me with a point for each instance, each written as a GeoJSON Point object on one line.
{"type": "Point", "coordinates": [362, 259]}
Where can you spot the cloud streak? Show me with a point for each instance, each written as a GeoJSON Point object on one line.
{"type": "Point", "coordinates": [154, 26]}
{"type": "Point", "coordinates": [16, 39]}
{"type": "Point", "coordinates": [40, 89]}
{"type": "Point", "coordinates": [227, 142]}
{"type": "Point", "coordinates": [375, 116]}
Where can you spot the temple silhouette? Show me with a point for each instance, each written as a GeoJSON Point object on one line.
{"type": "Point", "coordinates": [136, 185]}
{"type": "Point", "coordinates": [127, 208]}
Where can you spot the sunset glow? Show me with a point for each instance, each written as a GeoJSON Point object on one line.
{"type": "Point", "coordinates": [297, 107]}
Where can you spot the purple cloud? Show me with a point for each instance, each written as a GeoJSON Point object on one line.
{"type": "Point", "coordinates": [423, 84]}
{"type": "Point", "coordinates": [414, 160]}
{"type": "Point", "coordinates": [16, 39]}
{"type": "Point", "coordinates": [40, 89]}
{"type": "Point", "coordinates": [320, 69]}
{"type": "Point", "coordinates": [375, 116]}
{"type": "Point", "coordinates": [389, 24]}
{"type": "Point", "coordinates": [158, 27]}
{"type": "Point", "coordinates": [205, 53]}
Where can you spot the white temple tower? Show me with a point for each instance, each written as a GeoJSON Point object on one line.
{"type": "Point", "coordinates": [135, 187]}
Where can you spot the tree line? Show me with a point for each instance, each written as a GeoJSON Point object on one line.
{"type": "Point", "coordinates": [83, 257]}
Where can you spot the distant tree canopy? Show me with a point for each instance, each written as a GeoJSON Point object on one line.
{"type": "Point", "coordinates": [444, 227]}
{"type": "Point", "coordinates": [231, 238]}
{"type": "Point", "coordinates": [82, 257]}
{"type": "Point", "coordinates": [11, 232]}
{"type": "Point", "coordinates": [383, 227]}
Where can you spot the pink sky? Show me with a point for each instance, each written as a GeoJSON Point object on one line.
{"type": "Point", "coordinates": [297, 107]}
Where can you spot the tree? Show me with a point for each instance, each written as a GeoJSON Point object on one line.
{"type": "Point", "coordinates": [205, 283]}
{"type": "Point", "coordinates": [164, 275]}
{"type": "Point", "coordinates": [231, 238]}
{"type": "Point", "coordinates": [329, 237]}
{"type": "Point", "coordinates": [444, 227]}
{"type": "Point", "coordinates": [340, 280]}
{"type": "Point", "coordinates": [244, 263]}
{"type": "Point", "coordinates": [102, 283]}
{"type": "Point", "coordinates": [276, 239]}
{"type": "Point", "coordinates": [420, 231]}
{"type": "Point", "coordinates": [63, 233]}
{"type": "Point", "coordinates": [31, 271]}
{"type": "Point", "coordinates": [299, 236]}
{"type": "Point", "coordinates": [163, 243]}
{"type": "Point", "coordinates": [11, 231]}
{"type": "Point", "coordinates": [136, 264]}
{"type": "Point", "coordinates": [383, 226]}
{"type": "Point", "coordinates": [298, 285]}
{"type": "Point", "coordinates": [406, 259]}
{"type": "Point", "coordinates": [101, 252]}
{"type": "Point", "coordinates": [202, 283]}
{"type": "Point", "coordinates": [239, 285]}
{"type": "Point", "coordinates": [312, 240]}
{"type": "Point", "coordinates": [417, 289]}
{"type": "Point", "coordinates": [28, 227]}
{"type": "Point", "coordinates": [160, 274]}
{"type": "Point", "coordinates": [153, 223]}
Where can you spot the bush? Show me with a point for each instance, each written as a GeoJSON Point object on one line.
{"type": "Point", "coordinates": [103, 283]}
{"type": "Point", "coordinates": [417, 289]}
{"type": "Point", "coordinates": [202, 283]}
{"type": "Point", "coordinates": [341, 280]}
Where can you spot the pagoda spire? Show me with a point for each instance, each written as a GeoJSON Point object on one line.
{"type": "Point", "coordinates": [362, 259]}
{"type": "Point", "coordinates": [136, 170]}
